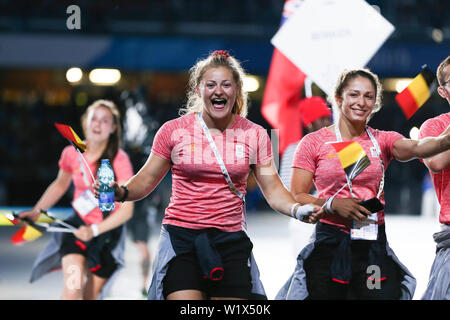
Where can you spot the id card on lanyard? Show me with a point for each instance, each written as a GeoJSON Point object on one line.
{"type": "Point", "coordinates": [86, 202]}
{"type": "Point", "coordinates": [367, 229]}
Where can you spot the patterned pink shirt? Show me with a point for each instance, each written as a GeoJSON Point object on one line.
{"type": "Point", "coordinates": [315, 155]}
{"type": "Point", "coordinates": [201, 197]}
{"type": "Point", "coordinates": [441, 180]}
{"type": "Point", "coordinates": [70, 162]}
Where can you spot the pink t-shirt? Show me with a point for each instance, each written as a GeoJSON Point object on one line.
{"type": "Point", "coordinates": [70, 162]}
{"type": "Point", "coordinates": [315, 155]}
{"type": "Point", "coordinates": [441, 180]}
{"type": "Point", "coordinates": [201, 197]}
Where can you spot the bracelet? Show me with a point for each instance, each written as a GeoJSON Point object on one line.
{"type": "Point", "coordinates": [328, 205]}
{"type": "Point", "coordinates": [292, 209]}
{"type": "Point", "coordinates": [94, 229]}
{"type": "Point", "coordinates": [125, 195]}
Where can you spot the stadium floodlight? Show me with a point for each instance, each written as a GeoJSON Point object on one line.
{"type": "Point", "coordinates": [104, 76]}
{"type": "Point", "coordinates": [396, 84]}
{"type": "Point", "coordinates": [437, 35]}
{"type": "Point", "coordinates": [251, 84]}
{"type": "Point", "coordinates": [74, 75]}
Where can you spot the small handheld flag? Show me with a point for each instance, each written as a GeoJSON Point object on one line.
{"type": "Point", "coordinates": [30, 230]}
{"type": "Point", "coordinates": [25, 234]}
{"type": "Point", "coordinates": [46, 218]}
{"type": "Point", "coordinates": [68, 133]}
{"type": "Point", "coordinates": [6, 219]}
{"type": "Point", "coordinates": [417, 92]}
{"type": "Point", "coordinates": [352, 156]}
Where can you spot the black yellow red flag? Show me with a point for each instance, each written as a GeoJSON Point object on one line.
{"type": "Point", "coordinates": [417, 92]}
{"type": "Point", "coordinates": [352, 156]}
{"type": "Point", "coordinates": [68, 133]}
{"type": "Point", "coordinates": [25, 234]}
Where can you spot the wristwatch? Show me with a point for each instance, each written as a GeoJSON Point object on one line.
{"type": "Point", "coordinates": [125, 195]}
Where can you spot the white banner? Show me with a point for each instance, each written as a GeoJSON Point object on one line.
{"type": "Point", "coordinates": [323, 37]}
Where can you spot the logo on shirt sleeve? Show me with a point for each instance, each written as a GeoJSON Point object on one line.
{"type": "Point", "coordinates": [239, 150]}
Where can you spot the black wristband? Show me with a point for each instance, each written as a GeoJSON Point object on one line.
{"type": "Point", "coordinates": [125, 195]}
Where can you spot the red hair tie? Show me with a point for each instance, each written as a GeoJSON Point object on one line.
{"type": "Point", "coordinates": [221, 54]}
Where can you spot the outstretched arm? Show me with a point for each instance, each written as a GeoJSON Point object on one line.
{"type": "Point", "coordinates": [345, 207]}
{"type": "Point", "coordinates": [276, 194]}
{"type": "Point", "coordinates": [438, 162]}
{"type": "Point", "coordinates": [407, 149]}
{"type": "Point", "coordinates": [143, 182]}
{"type": "Point", "coordinates": [51, 196]}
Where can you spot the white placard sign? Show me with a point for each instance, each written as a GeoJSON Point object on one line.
{"type": "Point", "coordinates": [323, 37]}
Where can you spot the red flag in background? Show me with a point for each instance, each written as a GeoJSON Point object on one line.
{"type": "Point", "coordinates": [283, 92]}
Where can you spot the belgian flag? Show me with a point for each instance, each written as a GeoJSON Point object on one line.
{"type": "Point", "coordinates": [70, 135]}
{"type": "Point", "coordinates": [75, 140]}
{"type": "Point", "coordinates": [6, 219]}
{"type": "Point", "coordinates": [352, 156]}
{"type": "Point", "coordinates": [417, 92]}
{"type": "Point", "coordinates": [25, 234]}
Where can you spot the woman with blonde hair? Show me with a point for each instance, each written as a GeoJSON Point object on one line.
{"type": "Point", "coordinates": [204, 250]}
{"type": "Point", "coordinates": [95, 250]}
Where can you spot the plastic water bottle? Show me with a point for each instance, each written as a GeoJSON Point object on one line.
{"type": "Point", "coordinates": [105, 175]}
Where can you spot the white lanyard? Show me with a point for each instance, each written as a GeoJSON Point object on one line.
{"type": "Point", "coordinates": [377, 150]}
{"type": "Point", "coordinates": [222, 165]}
{"type": "Point", "coordinates": [83, 171]}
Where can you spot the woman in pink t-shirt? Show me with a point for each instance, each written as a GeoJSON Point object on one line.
{"type": "Point", "coordinates": [98, 243]}
{"type": "Point", "coordinates": [348, 243]}
{"type": "Point", "coordinates": [438, 287]}
{"type": "Point", "coordinates": [204, 251]}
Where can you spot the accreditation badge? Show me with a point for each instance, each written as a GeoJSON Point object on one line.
{"type": "Point", "coordinates": [85, 203]}
{"type": "Point", "coordinates": [365, 230]}
{"type": "Point", "coordinates": [239, 150]}
{"type": "Point", "coordinates": [373, 151]}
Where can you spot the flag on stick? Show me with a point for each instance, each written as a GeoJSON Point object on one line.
{"type": "Point", "coordinates": [353, 159]}
{"type": "Point", "coordinates": [70, 135]}
{"type": "Point", "coordinates": [46, 217]}
{"type": "Point", "coordinates": [7, 220]}
{"type": "Point", "coordinates": [31, 230]}
{"type": "Point", "coordinates": [352, 156]}
{"type": "Point", "coordinates": [25, 234]}
{"type": "Point", "coordinates": [417, 92]}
